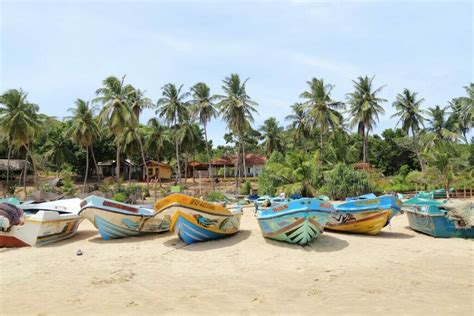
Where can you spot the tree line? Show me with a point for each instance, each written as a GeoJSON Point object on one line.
{"type": "Point", "coordinates": [319, 128]}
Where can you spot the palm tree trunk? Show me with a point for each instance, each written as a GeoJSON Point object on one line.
{"type": "Point", "coordinates": [117, 160]}
{"type": "Point", "coordinates": [130, 173]}
{"type": "Point", "coordinates": [25, 171]}
{"type": "Point", "coordinates": [243, 159]}
{"type": "Point", "coordinates": [321, 145]}
{"type": "Point", "coordinates": [144, 163]}
{"type": "Point", "coordinates": [178, 174]}
{"type": "Point", "coordinates": [158, 174]}
{"type": "Point", "coordinates": [86, 172]}
{"type": "Point", "coordinates": [8, 167]}
{"type": "Point", "coordinates": [35, 178]}
{"type": "Point", "coordinates": [194, 169]}
{"type": "Point", "coordinates": [211, 178]}
{"type": "Point", "coordinates": [95, 163]}
{"type": "Point", "coordinates": [186, 166]}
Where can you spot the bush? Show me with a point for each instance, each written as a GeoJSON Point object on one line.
{"type": "Point", "coordinates": [119, 197]}
{"type": "Point", "coordinates": [246, 188]}
{"type": "Point", "coordinates": [215, 196]}
{"type": "Point", "coordinates": [68, 184]}
{"type": "Point", "coordinates": [344, 181]}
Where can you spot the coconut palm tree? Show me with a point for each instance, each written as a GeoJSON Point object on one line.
{"type": "Point", "coordinates": [409, 112]}
{"type": "Point", "coordinates": [157, 139]}
{"type": "Point", "coordinates": [461, 117]}
{"type": "Point", "coordinates": [188, 136]}
{"type": "Point", "coordinates": [272, 136]}
{"type": "Point", "coordinates": [299, 122]}
{"type": "Point", "coordinates": [442, 128]}
{"type": "Point", "coordinates": [237, 108]}
{"type": "Point", "coordinates": [19, 121]}
{"type": "Point", "coordinates": [365, 107]}
{"type": "Point", "coordinates": [84, 130]}
{"type": "Point", "coordinates": [130, 145]}
{"type": "Point", "coordinates": [59, 147]}
{"type": "Point", "coordinates": [204, 110]}
{"type": "Point", "coordinates": [138, 102]}
{"type": "Point", "coordinates": [172, 107]}
{"type": "Point", "coordinates": [116, 111]}
{"type": "Point", "coordinates": [322, 110]}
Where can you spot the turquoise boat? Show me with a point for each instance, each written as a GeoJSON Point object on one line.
{"type": "Point", "coordinates": [439, 219]}
{"type": "Point", "coordinates": [296, 222]}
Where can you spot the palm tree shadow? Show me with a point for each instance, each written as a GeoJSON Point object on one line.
{"type": "Point", "coordinates": [324, 243]}
{"type": "Point", "coordinates": [177, 243]}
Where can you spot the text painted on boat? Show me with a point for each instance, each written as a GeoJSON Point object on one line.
{"type": "Point", "coordinates": [120, 206]}
{"type": "Point", "coordinates": [280, 208]}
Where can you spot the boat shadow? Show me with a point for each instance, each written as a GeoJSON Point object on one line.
{"type": "Point", "coordinates": [382, 234]}
{"type": "Point", "coordinates": [80, 235]}
{"type": "Point", "coordinates": [324, 243]}
{"type": "Point", "coordinates": [230, 241]}
{"type": "Point", "coordinates": [131, 239]}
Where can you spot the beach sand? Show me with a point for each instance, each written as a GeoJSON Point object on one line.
{"type": "Point", "coordinates": [398, 272]}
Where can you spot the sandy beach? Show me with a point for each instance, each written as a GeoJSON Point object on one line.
{"type": "Point", "coordinates": [398, 272]}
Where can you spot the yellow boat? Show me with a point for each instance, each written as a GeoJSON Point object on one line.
{"type": "Point", "coordinates": [195, 220]}
{"type": "Point", "coordinates": [364, 215]}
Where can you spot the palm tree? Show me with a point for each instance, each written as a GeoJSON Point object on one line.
{"type": "Point", "coordinates": [204, 110]}
{"type": "Point", "coordinates": [172, 107]}
{"type": "Point", "coordinates": [237, 108]}
{"type": "Point", "coordinates": [365, 109]}
{"type": "Point", "coordinates": [138, 102]}
{"type": "Point", "coordinates": [59, 148]}
{"type": "Point", "coordinates": [461, 117]}
{"type": "Point", "coordinates": [116, 111]}
{"type": "Point", "coordinates": [299, 121]}
{"type": "Point", "coordinates": [19, 121]}
{"type": "Point", "coordinates": [443, 129]}
{"type": "Point", "coordinates": [322, 110]}
{"type": "Point", "coordinates": [188, 136]}
{"type": "Point", "coordinates": [130, 145]}
{"type": "Point", "coordinates": [272, 136]}
{"type": "Point", "coordinates": [156, 140]}
{"type": "Point", "coordinates": [409, 111]}
{"type": "Point", "coordinates": [84, 131]}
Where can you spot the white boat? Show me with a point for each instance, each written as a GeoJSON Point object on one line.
{"type": "Point", "coordinates": [44, 223]}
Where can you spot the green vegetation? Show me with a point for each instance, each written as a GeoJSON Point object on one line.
{"type": "Point", "coordinates": [315, 154]}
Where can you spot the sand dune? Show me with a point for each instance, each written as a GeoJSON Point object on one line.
{"type": "Point", "coordinates": [399, 271]}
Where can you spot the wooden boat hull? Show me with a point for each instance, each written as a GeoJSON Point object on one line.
{"type": "Point", "coordinates": [297, 222]}
{"type": "Point", "coordinates": [296, 228]}
{"type": "Point", "coordinates": [118, 220]}
{"type": "Point", "coordinates": [364, 215]}
{"type": "Point", "coordinates": [42, 228]}
{"type": "Point", "coordinates": [195, 220]}
{"type": "Point", "coordinates": [192, 226]}
{"type": "Point", "coordinates": [429, 218]}
{"type": "Point", "coordinates": [370, 223]}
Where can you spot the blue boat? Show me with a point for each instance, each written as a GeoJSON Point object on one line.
{"type": "Point", "coordinates": [296, 222]}
{"type": "Point", "coordinates": [119, 220]}
{"type": "Point", "coordinates": [439, 219]}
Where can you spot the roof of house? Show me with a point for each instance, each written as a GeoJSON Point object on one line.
{"type": "Point", "coordinates": [361, 166]}
{"type": "Point", "coordinates": [15, 164]}
{"type": "Point", "coordinates": [151, 163]}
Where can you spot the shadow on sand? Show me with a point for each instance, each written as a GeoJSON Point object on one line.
{"type": "Point", "coordinates": [382, 234]}
{"type": "Point", "coordinates": [131, 240]}
{"type": "Point", "coordinates": [324, 243]}
{"type": "Point", "coordinates": [177, 243]}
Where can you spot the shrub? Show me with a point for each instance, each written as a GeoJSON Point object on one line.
{"type": "Point", "coordinates": [246, 187]}
{"type": "Point", "coordinates": [344, 181]}
{"type": "Point", "coordinates": [119, 197]}
{"type": "Point", "coordinates": [215, 196]}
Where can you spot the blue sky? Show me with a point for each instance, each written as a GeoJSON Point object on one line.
{"type": "Point", "coordinates": [61, 50]}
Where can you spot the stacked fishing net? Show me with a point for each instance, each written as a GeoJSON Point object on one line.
{"type": "Point", "coordinates": [10, 215]}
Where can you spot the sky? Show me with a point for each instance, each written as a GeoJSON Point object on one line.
{"type": "Point", "coordinates": [59, 51]}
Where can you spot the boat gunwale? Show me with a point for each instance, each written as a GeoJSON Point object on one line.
{"type": "Point", "coordinates": [290, 212]}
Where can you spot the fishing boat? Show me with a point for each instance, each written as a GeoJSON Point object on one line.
{"type": "Point", "coordinates": [195, 220]}
{"type": "Point", "coordinates": [119, 220]}
{"type": "Point", "coordinates": [439, 219]}
{"type": "Point", "coordinates": [296, 222]}
{"type": "Point", "coordinates": [41, 224]}
{"type": "Point", "coordinates": [366, 214]}
{"type": "Point", "coordinates": [268, 201]}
